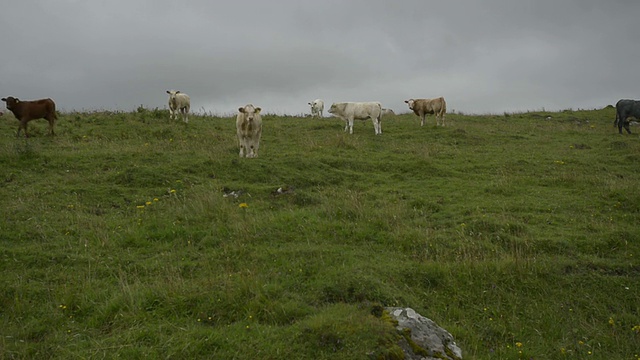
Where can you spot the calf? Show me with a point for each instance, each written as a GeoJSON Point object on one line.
{"type": "Point", "coordinates": [422, 107]}
{"type": "Point", "coordinates": [317, 106]}
{"type": "Point", "coordinates": [179, 103]}
{"type": "Point", "coordinates": [26, 111]}
{"type": "Point", "coordinates": [249, 130]}
{"type": "Point", "coordinates": [624, 110]}
{"type": "Point", "coordinates": [349, 111]}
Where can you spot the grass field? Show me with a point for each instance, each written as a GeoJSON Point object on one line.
{"type": "Point", "coordinates": [517, 234]}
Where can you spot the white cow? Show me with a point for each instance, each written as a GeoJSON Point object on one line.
{"type": "Point", "coordinates": [349, 111]}
{"type": "Point", "coordinates": [179, 103]}
{"type": "Point", "coordinates": [249, 130]}
{"type": "Point", "coordinates": [317, 106]}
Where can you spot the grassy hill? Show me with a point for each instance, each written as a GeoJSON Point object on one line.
{"type": "Point", "coordinates": [517, 233]}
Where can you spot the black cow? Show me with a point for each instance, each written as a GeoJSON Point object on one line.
{"type": "Point", "coordinates": [624, 109]}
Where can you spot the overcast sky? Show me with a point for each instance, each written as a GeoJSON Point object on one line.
{"type": "Point", "coordinates": [487, 56]}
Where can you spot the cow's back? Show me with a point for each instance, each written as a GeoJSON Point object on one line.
{"type": "Point", "coordinates": [363, 110]}
{"type": "Point", "coordinates": [49, 105]}
{"type": "Point", "coordinates": [34, 109]}
{"type": "Point", "coordinates": [628, 107]}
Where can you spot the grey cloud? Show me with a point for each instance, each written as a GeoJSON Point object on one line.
{"type": "Point", "coordinates": [494, 56]}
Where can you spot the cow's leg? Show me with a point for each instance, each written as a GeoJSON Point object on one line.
{"type": "Point", "coordinates": [619, 124]}
{"type": "Point", "coordinates": [377, 126]}
{"type": "Point", "coordinates": [256, 143]}
{"type": "Point", "coordinates": [241, 144]}
{"type": "Point", "coordinates": [623, 123]}
{"type": "Point", "coordinates": [626, 126]}
{"type": "Point", "coordinates": [442, 116]}
{"type": "Point", "coordinates": [185, 115]}
{"type": "Point", "coordinates": [350, 125]}
{"type": "Point", "coordinates": [23, 125]}
{"type": "Point", "coordinates": [422, 118]}
{"type": "Point", "coordinates": [250, 148]}
{"type": "Point", "coordinates": [51, 122]}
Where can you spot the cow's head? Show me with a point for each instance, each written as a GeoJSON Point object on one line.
{"type": "Point", "coordinates": [333, 109]}
{"type": "Point", "coordinates": [249, 111]}
{"type": "Point", "coordinates": [11, 102]}
{"type": "Point", "coordinates": [172, 96]}
{"type": "Point", "coordinates": [410, 102]}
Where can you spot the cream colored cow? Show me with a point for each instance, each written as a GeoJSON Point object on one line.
{"type": "Point", "coordinates": [179, 103]}
{"type": "Point", "coordinates": [249, 130]}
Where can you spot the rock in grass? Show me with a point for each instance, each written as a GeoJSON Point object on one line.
{"type": "Point", "coordinates": [422, 338]}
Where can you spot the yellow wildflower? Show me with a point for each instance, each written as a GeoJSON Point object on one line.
{"type": "Point", "coordinates": [243, 205]}
{"type": "Point", "coordinates": [518, 344]}
{"type": "Point", "coordinates": [148, 203]}
{"type": "Point", "coordinates": [140, 206]}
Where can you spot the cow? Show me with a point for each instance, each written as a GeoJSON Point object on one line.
{"type": "Point", "coordinates": [179, 103]}
{"type": "Point", "coordinates": [349, 111]}
{"type": "Point", "coordinates": [625, 109]}
{"type": "Point", "coordinates": [317, 107]}
{"type": "Point", "coordinates": [422, 107]}
{"type": "Point", "coordinates": [26, 111]}
{"type": "Point", "coordinates": [249, 130]}
{"type": "Point", "coordinates": [387, 112]}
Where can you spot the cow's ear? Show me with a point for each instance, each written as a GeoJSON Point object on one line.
{"type": "Point", "coordinates": [407, 101]}
{"type": "Point", "coordinates": [258, 110]}
{"type": "Point", "coordinates": [241, 110]}
{"type": "Point", "coordinates": [178, 92]}
{"type": "Point", "coordinates": [4, 99]}
{"type": "Point", "coordinates": [168, 92]}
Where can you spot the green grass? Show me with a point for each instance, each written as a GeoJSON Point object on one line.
{"type": "Point", "coordinates": [117, 242]}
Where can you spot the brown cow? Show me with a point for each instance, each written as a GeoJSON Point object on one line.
{"type": "Point", "coordinates": [422, 107]}
{"type": "Point", "coordinates": [26, 111]}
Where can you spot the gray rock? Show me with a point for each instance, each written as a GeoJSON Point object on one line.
{"type": "Point", "coordinates": [423, 339]}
